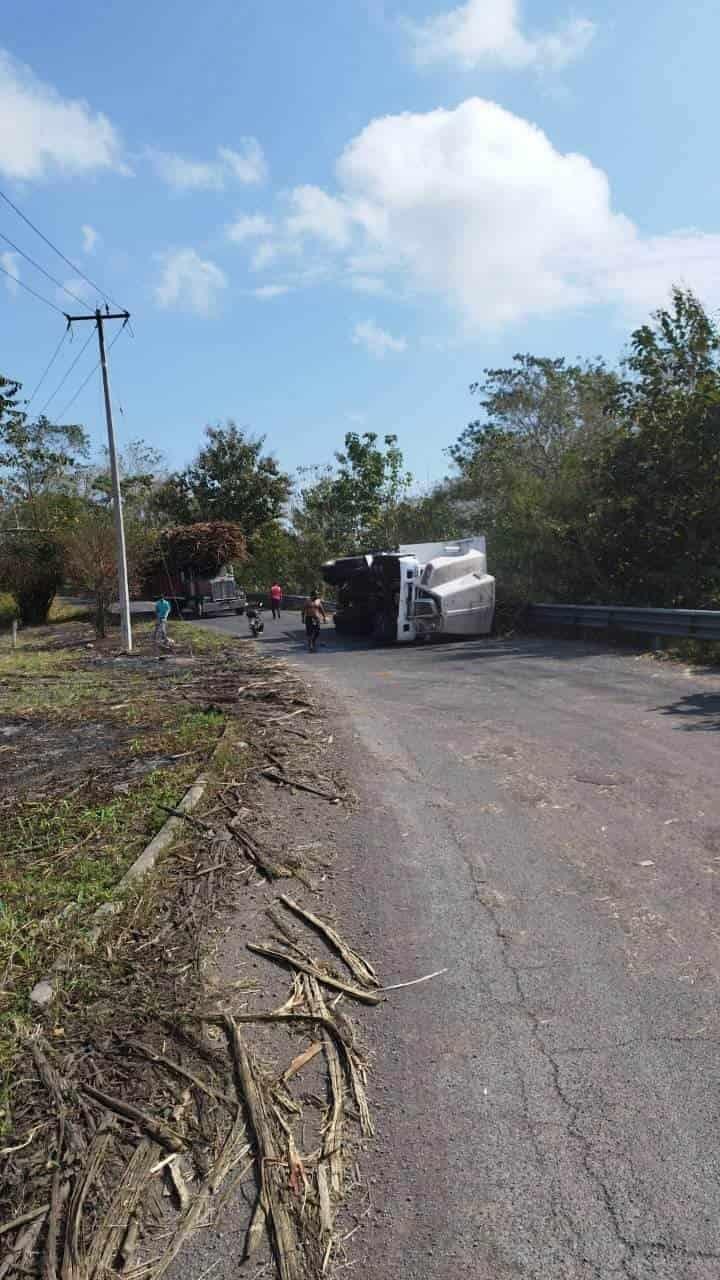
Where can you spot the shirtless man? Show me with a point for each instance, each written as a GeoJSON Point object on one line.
{"type": "Point", "coordinates": [312, 611]}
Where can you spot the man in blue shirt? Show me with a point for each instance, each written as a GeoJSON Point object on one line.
{"type": "Point", "coordinates": [162, 613]}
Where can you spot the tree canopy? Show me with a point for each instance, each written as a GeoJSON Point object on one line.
{"type": "Point", "coordinates": [230, 479]}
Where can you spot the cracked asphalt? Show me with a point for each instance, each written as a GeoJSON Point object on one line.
{"type": "Point", "coordinates": [542, 819]}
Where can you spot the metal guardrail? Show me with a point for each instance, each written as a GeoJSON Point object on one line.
{"type": "Point", "coordinates": [697, 624]}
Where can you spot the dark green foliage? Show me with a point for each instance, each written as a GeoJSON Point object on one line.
{"type": "Point", "coordinates": [231, 479]}
{"type": "Point", "coordinates": [354, 505]}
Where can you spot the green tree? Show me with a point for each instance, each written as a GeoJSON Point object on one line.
{"type": "Point", "coordinates": [272, 557]}
{"type": "Point", "coordinates": [656, 514]}
{"type": "Point", "coordinates": [36, 501]}
{"type": "Point", "coordinates": [528, 473]}
{"type": "Point", "coordinates": [140, 467]}
{"type": "Point", "coordinates": [440, 514]}
{"type": "Point", "coordinates": [353, 505]}
{"type": "Point", "coordinates": [231, 479]}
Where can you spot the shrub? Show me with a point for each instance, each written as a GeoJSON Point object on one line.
{"type": "Point", "coordinates": [8, 609]}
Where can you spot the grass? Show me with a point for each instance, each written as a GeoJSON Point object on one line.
{"type": "Point", "coordinates": [66, 845]}
{"type": "Point", "coordinates": [68, 612]}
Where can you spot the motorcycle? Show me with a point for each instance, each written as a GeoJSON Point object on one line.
{"type": "Point", "coordinates": [255, 622]}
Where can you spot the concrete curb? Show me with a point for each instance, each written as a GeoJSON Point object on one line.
{"type": "Point", "coordinates": [44, 991]}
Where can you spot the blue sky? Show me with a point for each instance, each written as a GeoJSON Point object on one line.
{"type": "Point", "coordinates": [330, 217]}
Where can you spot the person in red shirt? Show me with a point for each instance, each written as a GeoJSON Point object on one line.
{"type": "Point", "coordinates": [276, 595]}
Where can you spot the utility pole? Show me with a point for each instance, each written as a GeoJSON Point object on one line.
{"type": "Point", "coordinates": [124, 591]}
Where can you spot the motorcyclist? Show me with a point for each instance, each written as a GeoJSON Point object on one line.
{"type": "Point", "coordinates": [254, 617]}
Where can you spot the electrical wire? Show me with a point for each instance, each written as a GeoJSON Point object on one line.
{"type": "Point", "coordinates": [82, 301]}
{"type": "Point", "coordinates": [68, 371]}
{"type": "Point", "coordinates": [91, 374]}
{"type": "Point", "coordinates": [55, 249]}
{"type": "Point", "coordinates": [48, 366]}
{"type": "Point", "coordinates": [27, 289]}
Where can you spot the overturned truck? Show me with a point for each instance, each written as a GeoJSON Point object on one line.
{"type": "Point", "coordinates": [419, 591]}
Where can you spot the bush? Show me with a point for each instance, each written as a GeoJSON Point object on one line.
{"type": "Point", "coordinates": [31, 569]}
{"type": "Point", "coordinates": [8, 609]}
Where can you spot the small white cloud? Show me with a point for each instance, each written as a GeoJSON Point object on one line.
{"type": "Point", "coordinates": [356, 417]}
{"type": "Point", "coordinates": [246, 165]}
{"type": "Point", "coordinates": [247, 227]}
{"type": "Point", "coordinates": [315, 213]}
{"type": "Point", "coordinates": [189, 282]}
{"type": "Point", "coordinates": [187, 175]}
{"type": "Point", "coordinates": [488, 33]}
{"type": "Point", "coordinates": [42, 134]}
{"type": "Point", "coordinates": [91, 238]}
{"type": "Point", "coordinates": [9, 262]}
{"type": "Point", "coordinates": [272, 290]}
{"type": "Point", "coordinates": [376, 341]}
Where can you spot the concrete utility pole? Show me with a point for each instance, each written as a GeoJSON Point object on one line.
{"type": "Point", "coordinates": [124, 591]}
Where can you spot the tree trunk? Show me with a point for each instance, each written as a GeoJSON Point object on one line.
{"type": "Point", "coordinates": [100, 616]}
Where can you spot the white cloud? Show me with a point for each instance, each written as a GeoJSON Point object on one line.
{"type": "Point", "coordinates": [476, 206]}
{"type": "Point", "coordinates": [367, 284]}
{"type": "Point", "coordinates": [376, 341]}
{"type": "Point", "coordinates": [267, 291]}
{"type": "Point", "coordinates": [317, 214]}
{"type": "Point", "coordinates": [246, 165]}
{"type": "Point", "coordinates": [265, 254]}
{"type": "Point", "coordinates": [189, 282]}
{"type": "Point", "coordinates": [488, 33]}
{"type": "Point", "coordinates": [247, 227]}
{"type": "Point", "coordinates": [43, 134]}
{"type": "Point", "coordinates": [91, 238]}
{"type": "Point", "coordinates": [9, 263]}
{"type": "Point", "coordinates": [187, 175]}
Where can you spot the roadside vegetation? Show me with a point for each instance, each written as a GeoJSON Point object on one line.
{"type": "Point", "coordinates": [93, 753]}
{"type": "Point", "coordinates": [191, 1049]}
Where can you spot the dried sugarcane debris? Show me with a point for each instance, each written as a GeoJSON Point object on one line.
{"type": "Point", "coordinates": [286, 958]}
{"type": "Point", "coordinates": [357, 965]}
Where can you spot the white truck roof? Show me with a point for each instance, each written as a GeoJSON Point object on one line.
{"type": "Point", "coordinates": [424, 551]}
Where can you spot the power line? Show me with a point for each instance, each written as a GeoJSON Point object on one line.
{"type": "Point", "coordinates": [38, 267]}
{"type": "Point", "coordinates": [92, 372]}
{"type": "Point", "coordinates": [27, 288]}
{"type": "Point", "coordinates": [49, 366]}
{"type": "Point", "coordinates": [67, 373]}
{"type": "Point", "coordinates": [55, 249]}
{"type": "Point", "coordinates": [82, 387]}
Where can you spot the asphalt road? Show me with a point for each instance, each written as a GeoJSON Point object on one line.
{"type": "Point", "coordinates": [542, 819]}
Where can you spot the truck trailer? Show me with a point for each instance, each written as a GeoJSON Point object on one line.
{"type": "Point", "coordinates": [416, 592]}
{"type": "Point", "coordinates": [200, 595]}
